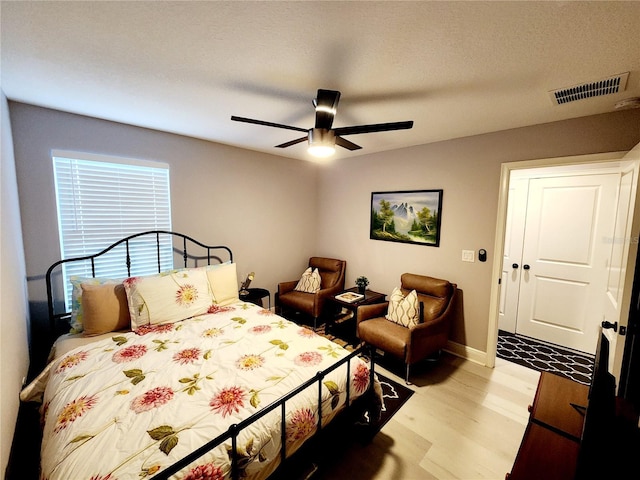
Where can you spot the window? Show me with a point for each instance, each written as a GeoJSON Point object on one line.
{"type": "Point", "coordinates": [103, 199]}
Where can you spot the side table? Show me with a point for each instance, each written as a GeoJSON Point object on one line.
{"type": "Point", "coordinates": [351, 309]}
{"type": "Point", "coordinates": [256, 295]}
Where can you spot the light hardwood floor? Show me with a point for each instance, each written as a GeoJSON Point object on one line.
{"type": "Point", "coordinates": [464, 421]}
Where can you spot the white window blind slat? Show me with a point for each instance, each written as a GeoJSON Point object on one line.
{"type": "Point", "coordinates": [101, 200]}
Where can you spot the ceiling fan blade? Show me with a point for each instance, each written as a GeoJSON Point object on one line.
{"type": "Point", "coordinates": [376, 127]}
{"type": "Point", "coordinates": [343, 142]}
{"type": "Point", "coordinates": [268, 124]}
{"type": "Point", "coordinates": [293, 142]}
{"type": "Point", "coordinates": [326, 104]}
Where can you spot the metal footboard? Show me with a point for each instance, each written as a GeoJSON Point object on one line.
{"type": "Point", "coordinates": [235, 430]}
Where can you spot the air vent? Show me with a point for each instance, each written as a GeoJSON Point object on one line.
{"type": "Point", "coordinates": [606, 86]}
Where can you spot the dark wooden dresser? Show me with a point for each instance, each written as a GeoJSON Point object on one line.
{"type": "Point", "coordinates": [550, 447]}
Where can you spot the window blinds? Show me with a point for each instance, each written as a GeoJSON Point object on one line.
{"type": "Point", "coordinates": [101, 200]}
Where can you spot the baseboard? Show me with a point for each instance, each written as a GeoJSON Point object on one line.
{"type": "Point", "coordinates": [468, 353]}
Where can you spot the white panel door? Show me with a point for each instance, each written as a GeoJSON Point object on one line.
{"type": "Point", "coordinates": [565, 258]}
{"type": "Point", "coordinates": [624, 248]}
{"type": "Point", "coordinates": [511, 263]}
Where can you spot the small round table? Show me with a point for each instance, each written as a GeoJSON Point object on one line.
{"type": "Point", "coordinates": [256, 295]}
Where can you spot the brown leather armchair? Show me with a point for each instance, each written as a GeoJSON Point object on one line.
{"type": "Point", "coordinates": [437, 305]}
{"type": "Point", "coordinates": [332, 273]}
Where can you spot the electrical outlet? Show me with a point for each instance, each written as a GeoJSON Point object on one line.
{"type": "Point", "coordinates": [468, 256]}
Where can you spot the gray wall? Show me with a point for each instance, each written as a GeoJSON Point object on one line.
{"type": "Point", "coordinates": [14, 318]}
{"type": "Point", "coordinates": [468, 170]}
{"type": "Point", "coordinates": [263, 207]}
{"type": "Point", "coordinates": [276, 212]}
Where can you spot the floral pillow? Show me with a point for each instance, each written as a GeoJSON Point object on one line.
{"type": "Point", "coordinates": [309, 282]}
{"type": "Point", "coordinates": [168, 297]}
{"type": "Point", "coordinates": [403, 310]}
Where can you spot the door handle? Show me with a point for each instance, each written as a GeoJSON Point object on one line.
{"type": "Point", "coordinates": [515, 265]}
{"type": "Point", "coordinates": [613, 325]}
{"type": "Point", "coordinates": [526, 267]}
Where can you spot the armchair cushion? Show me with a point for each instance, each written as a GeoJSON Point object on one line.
{"type": "Point", "coordinates": [403, 310]}
{"type": "Point", "coordinates": [309, 282]}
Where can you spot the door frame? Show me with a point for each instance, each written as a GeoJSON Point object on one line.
{"type": "Point", "coordinates": [496, 273]}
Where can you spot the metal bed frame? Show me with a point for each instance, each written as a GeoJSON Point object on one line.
{"type": "Point", "coordinates": [234, 430]}
{"type": "Point", "coordinates": [187, 241]}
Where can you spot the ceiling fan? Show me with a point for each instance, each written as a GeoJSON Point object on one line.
{"type": "Point", "coordinates": [322, 138]}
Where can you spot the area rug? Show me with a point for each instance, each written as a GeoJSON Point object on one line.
{"type": "Point", "coordinates": [394, 396]}
{"type": "Point", "coordinates": [545, 357]}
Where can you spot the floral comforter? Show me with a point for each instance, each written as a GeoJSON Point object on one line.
{"type": "Point", "coordinates": [133, 404]}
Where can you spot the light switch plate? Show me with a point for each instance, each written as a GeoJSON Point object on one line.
{"type": "Point", "coordinates": [468, 256]}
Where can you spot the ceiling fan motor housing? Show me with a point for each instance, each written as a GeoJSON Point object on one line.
{"type": "Point", "coordinates": [321, 136]}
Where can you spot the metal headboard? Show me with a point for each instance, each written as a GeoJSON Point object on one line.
{"type": "Point", "coordinates": [206, 253]}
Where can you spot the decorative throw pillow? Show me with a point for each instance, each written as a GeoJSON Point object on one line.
{"type": "Point", "coordinates": [105, 308]}
{"type": "Point", "coordinates": [77, 312]}
{"type": "Point", "coordinates": [309, 282]}
{"type": "Point", "coordinates": [168, 297]}
{"type": "Point", "coordinates": [223, 279]}
{"type": "Point", "coordinates": [403, 310]}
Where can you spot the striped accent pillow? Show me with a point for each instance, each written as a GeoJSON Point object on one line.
{"type": "Point", "coordinates": [309, 282]}
{"type": "Point", "coordinates": [403, 310]}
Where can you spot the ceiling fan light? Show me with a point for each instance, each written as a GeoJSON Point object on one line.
{"type": "Point", "coordinates": [322, 142]}
{"type": "Point", "coordinates": [321, 151]}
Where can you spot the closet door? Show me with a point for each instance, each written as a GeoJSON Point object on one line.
{"type": "Point", "coordinates": [512, 260]}
{"type": "Point", "coordinates": [567, 242]}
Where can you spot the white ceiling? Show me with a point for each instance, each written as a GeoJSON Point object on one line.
{"type": "Point", "coordinates": [454, 68]}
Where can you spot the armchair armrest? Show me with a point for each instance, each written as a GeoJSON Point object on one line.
{"type": "Point", "coordinates": [375, 310]}
{"type": "Point", "coordinates": [330, 291]}
{"type": "Point", "coordinates": [284, 287]}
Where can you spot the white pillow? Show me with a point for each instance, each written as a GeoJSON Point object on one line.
{"type": "Point", "coordinates": [403, 310]}
{"type": "Point", "coordinates": [223, 279]}
{"type": "Point", "coordinates": [168, 297]}
{"type": "Point", "coordinates": [309, 282]}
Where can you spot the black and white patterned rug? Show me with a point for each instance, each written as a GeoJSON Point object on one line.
{"type": "Point", "coordinates": [545, 357]}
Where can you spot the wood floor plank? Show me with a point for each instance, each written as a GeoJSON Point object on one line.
{"type": "Point", "coordinates": [464, 422]}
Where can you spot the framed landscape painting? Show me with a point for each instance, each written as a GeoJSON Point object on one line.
{"type": "Point", "coordinates": [411, 216]}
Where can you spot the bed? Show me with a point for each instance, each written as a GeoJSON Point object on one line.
{"type": "Point", "coordinates": [171, 375]}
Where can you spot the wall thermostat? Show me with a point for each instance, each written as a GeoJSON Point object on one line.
{"type": "Point", "coordinates": [482, 255]}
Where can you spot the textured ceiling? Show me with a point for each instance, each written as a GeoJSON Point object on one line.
{"type": "Point", "coordinates": [454, 68]}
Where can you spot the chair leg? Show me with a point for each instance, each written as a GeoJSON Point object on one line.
{"type": "Point", "coordinates": [406, 374]}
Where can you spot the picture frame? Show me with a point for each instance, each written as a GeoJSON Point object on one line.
{"type": "Point", "coordinates": [406, 216]}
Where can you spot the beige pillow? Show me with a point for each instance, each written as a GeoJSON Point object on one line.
{"type": "Point", "coordinates": [403, 310]}
{"type": "Point", "coordinates": [309, 282]}
{"type": "Point", "coordinates": [76, 297]}
{"type": "Point", "coordinates": [224, 283]}
{"type": "Point", "coordinates": [105, 308]}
